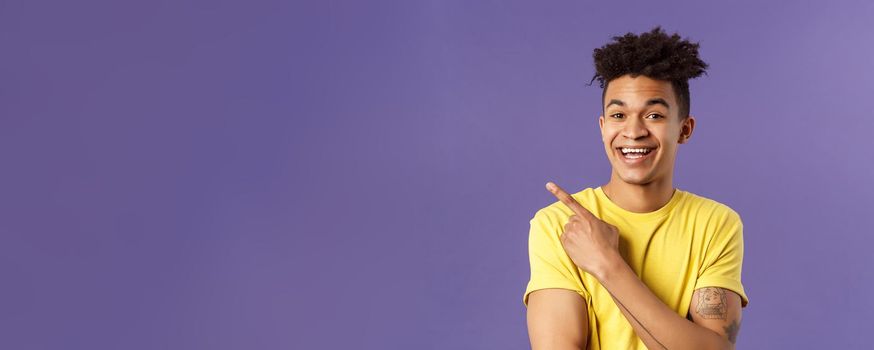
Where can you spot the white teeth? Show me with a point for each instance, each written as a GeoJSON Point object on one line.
{"type": "Point", "coordinates": [636, 150]}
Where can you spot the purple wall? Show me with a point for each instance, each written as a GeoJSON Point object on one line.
{"type": "Point", "coordinates": [286, 175]}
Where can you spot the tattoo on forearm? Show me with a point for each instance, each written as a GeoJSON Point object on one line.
{"type": "Point", "coordinates": [731, 331]}
{"type": "Point", "coordinates": [711, 303]}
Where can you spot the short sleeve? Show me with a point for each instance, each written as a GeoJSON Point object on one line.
{"type": "Point", "coordinates": [723, 259]}
{"type": "Point", "coordinates": [551, 267]}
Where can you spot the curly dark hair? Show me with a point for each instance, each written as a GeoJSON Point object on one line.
{"type": "Point", "coordinates": [654, 54]}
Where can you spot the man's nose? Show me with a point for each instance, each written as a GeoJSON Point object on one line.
{"type": "Point", "coordinates": [634, 129]}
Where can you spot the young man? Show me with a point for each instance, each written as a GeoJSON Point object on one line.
{"type": "Point", "coordinates": [636, 263]}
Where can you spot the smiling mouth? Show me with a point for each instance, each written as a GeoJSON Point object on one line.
{"type": "Point", "coordinates": [635, 155]}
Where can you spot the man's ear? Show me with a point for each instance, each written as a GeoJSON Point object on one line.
{"type": "Point", "coordinates": [686, 129]}
{"type": "Point", "coordinates": [601, 123]}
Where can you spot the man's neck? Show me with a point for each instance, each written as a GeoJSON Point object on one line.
{"type": "Point", "coordinates": [639, 198]}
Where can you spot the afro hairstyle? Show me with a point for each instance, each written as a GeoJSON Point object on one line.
{"type": "Point", "coordinates": [654, 54]}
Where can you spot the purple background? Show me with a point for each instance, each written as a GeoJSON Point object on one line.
{"type": "Point", "coordinates": [327, 175]}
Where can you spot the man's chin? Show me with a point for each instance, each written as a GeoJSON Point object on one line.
{"type": "Point", "coordinates": [638, 183]}
{"type": "Point", "coordinates": [636, 180]}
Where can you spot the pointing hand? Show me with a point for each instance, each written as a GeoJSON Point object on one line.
{"type": "Point", "coordinates": [591, 243]}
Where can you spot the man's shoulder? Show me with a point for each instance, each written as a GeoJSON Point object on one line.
{"type": "Point", "coordinates": [706, 206]}
{"type": "Point", "coordinates": [559, 212]}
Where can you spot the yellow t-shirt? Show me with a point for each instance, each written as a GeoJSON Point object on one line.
{"type": "Point", "coordinates": [692, 242]}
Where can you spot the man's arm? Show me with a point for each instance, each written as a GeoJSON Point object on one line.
{"type": "Point", "coordinates": [557, 319]}
{"type": "Point", "coordinates": [657, 325]}
{"type": "Point", "coordinates": [717, 309]}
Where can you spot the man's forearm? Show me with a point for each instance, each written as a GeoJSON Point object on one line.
{"type": "Point", "coordinates": [656, 325]}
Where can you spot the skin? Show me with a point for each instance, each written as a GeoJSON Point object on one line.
{"type": "Point", "coordinates": [648, 186]}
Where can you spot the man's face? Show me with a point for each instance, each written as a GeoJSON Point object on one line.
{"type": "Point", "coordinates": [642, 113]}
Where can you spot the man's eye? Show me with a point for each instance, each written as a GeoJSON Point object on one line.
{"type": "Point", "coordinates": [616, 115]}
{"type": "Point", "coordinates": [656, 115]}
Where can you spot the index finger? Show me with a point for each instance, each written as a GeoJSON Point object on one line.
{"type": "Point", "coordinates": [569, 201]}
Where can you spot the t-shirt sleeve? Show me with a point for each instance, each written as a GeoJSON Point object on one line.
{"type": "Point", "coordinates": [551, 267]}
{"type": "Point", "coordinates": [723, 259]}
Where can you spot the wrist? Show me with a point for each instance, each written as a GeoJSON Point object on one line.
{"type": "Point", "coordinates": [612, 266]}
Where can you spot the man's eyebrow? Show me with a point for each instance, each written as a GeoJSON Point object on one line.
{"type": "Point", "coordinates": [658, 101]}
{"type": "Point", "coordinates": [650, 102]}
{"type": "Point", "coordinates": [615, 102]}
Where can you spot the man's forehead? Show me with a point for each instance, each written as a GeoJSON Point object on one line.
{"type": "Point", "coordinates": [639, 91]}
